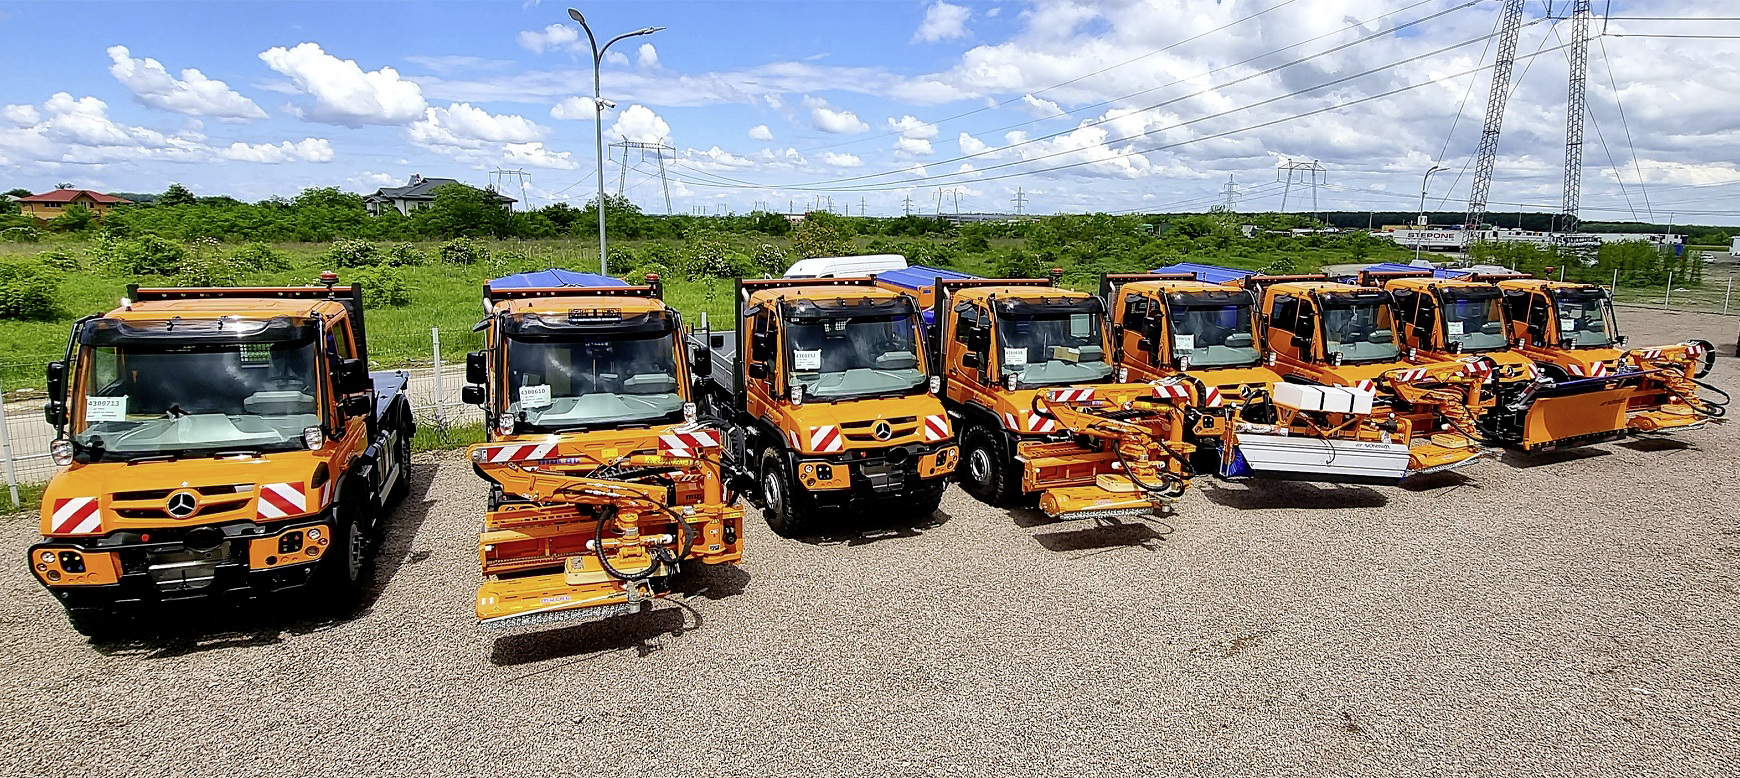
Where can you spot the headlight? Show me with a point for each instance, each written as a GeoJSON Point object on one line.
{"type": "Point", "coordinates": [48, 556]}
{"type": "Point", "coordinates": [1123, 375]}
{"type": "Point", "coordinates": [689, 410]}
{"type": "Point", "coordinates": [62, 451]}
{"type": "Point", "coordinates": [797, 394]}
{"type": "Point", "coordinates": [1012, 381]}
{"type": "Point", "coordinates": [313, 438]}
{"type": "Point", "coordinates": [935, 384]}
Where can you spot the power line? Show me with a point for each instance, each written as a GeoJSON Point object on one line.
{"type": "Point", "coordinates": [1620, 104]}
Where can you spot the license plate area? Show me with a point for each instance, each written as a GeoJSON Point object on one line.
{"type": "Point", "coordinates": [186, 569]}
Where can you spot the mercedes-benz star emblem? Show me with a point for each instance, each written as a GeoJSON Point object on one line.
{"type": "Point", "coordinates": [883, 430]}
{"type": "Point", "coordinates": [182, 505]}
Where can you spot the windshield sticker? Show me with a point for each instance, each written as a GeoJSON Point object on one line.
{"type": "Point", "coordinates": [1184, 342]}
{"type": "Point", "coordinates": [1453, 327]}
{"type": "Point", "coordinates": [106, 408]}
{"type": "Point", "coordinates": [535, 396]}
{"type": "Point", "coordinates": [1567, 324]}
{"type": "Point", "coordinates": [1015, 357]}
{"type": "Point", "coordinates": [806, 360]}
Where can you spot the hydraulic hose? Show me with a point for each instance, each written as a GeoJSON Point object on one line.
{"type": "Point", "coordinates": [1163, 490]}
{"type": "Point", "coordinates": [660, 556]}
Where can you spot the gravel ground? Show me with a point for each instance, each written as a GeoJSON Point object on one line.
{"type": "Point", "coordinates": [1555, 615]}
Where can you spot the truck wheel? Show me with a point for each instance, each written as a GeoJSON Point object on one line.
{"type": "Point", "coordinates": [984, 471]}
{"type": "Point", "coordinates": [95, 623]}
{"type": "Point", "coordinates": [787, 510]}
{"type": "Point", "coordinates": [402, 458]}
{"type": "Point", "coordinates": [927, 502]}
{"type": "Point", "coordinates": [340, 575]}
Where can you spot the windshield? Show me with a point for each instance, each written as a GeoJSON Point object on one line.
{"type": "Point", "coordinates": [853, 356]}
{"type": "Point", "coordinates": [1474, 320]}
{"type": "Point", "coordinates": [164, 398]}
{"type": "Point", "coordinates": [1585, 319]}
{"type": "Point", "coordinates": [606, 379]}
{"type": "Point", "coordinates": [1053, 348]}
{"type": "Point", "coordinates": [1213, 334]}
{"type": "Point", "coordinates": [1359, 331]}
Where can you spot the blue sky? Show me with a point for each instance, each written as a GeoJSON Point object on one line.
{"type": "Point", "coordinates": [1117, 105]}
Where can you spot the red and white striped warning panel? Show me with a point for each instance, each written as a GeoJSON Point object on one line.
{"type": "Point", "coordinates": [325, 493]}
{"type": "Point", "coordinates": [827, 440]}
{"type": "Point", "coordinates": [1479, 367]}
{"type": "Point", "coordinates": [1213, 398]}
{"type": "Point", "coordinates": [1010, 422]}
{"type": "Point", "coordinates": [1692, 349]}
{"type": "Point", "coordinates": [1655, 353]}
{"type": "Point", "coordinates": [280, 500]}
{"type": "Point", "coordinates": [1039, 423]}
{"type": "Point", "coordinates": [1368, 385]}
{"type": "Point", "coordinates": [518, 452]}
{"type": "Point", "coordinates": [1069, 395]}
{"type": "Point", "coordinates": [1176, 391]}
{"type": "Point", "coordinates": [686, 444]}
{"type": "Point", "coordinates": [936, 428]}
{"type": "Point", "coordinates": [1596, 370]}
{"type": "Point", "coordinates": [76, 516]}
{"type": "Point", "coordinates": [1399, 377]}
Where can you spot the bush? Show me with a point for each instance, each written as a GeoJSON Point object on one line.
{"type": "Point", "coordinates": [147, 255]}
{"type": "Point", "coordinates": [382, 287]}
{"type": "Point", "coordinates": [821, 236]}
{"type": "Point", "coordinates": [208, 268]}
{"type": "Point", "coordinates": [405, 255]}
{"type": "Point", "coordinates": [59, 259]}
{"type": "Point", "coordinates": [27, 291]}
{"type": "Point", "coordinates": [353, 253]}
{"type": "Point", "coordinates": [20, 234]}
{"type": "Point", "coordinates": [259, 256]}
{"type": "Point", "coordinates": [508, 262]}
{"type": "Point", "coordinates": [464, 251]}
{"type": "Point", "coordinates": [708, 256]}
{"type": "Point", "coordinates": [75, 219]}
{"type": "Point", "coordinates": [770, 259]}
{"type": "Point", "coordinates": [1019, 264]}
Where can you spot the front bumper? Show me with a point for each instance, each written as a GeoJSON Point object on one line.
{"type": "Point", "coordinates": [235, 560]}
{"type": "Point", "coordinates": [889, 474]}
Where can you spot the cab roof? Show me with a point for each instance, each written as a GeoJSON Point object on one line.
{"type": "Point", "coordinates": [541, 305]}
{"type": "Point", "coordinates": [982, 292]}
{"type": "Point", "coordinates": [220, 307]}
{"type": "Point", "coordinates": [824, 292]}
{"type": "Point", "coordinates": [1297, 287]}
{"type": "Point", "coordinates": [1170, 285]}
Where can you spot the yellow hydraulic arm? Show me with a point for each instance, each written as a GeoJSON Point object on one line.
{"type": "Point", "coordinates": [1139, 430]}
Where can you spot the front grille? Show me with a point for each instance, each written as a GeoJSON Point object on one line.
{"type": "Point", "coordinates": [864, 431]}
{"type": "Point", "coordinates": [159, 513]}
{"type": "Point", "coordinates": [163, 494]}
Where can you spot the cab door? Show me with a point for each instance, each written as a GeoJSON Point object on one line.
{"type": "Point", "coordinates": [761, 363]}
{"type": "Point", "coordinates": [967, 348]}
{"type": "Point", "coordinates": [1291, 328]}
{"type": "Point", "coordinates": [1138, 333]}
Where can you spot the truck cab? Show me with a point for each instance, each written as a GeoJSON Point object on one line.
{"type": "Point", "coordinates": [1320, 332]}
{"type": "Point", "coordinates": [218, 443]}
{"type": "Point", "coordinates": [825, 385]}
{"type": "Point", "coordinates": [603, 481]}
{"type": "Point", "coordinates": [1167, 325]}
{"type": "Point", "coordinates": [1023, 368]}
{"type": "Point", "coordinates": [1569, 331]}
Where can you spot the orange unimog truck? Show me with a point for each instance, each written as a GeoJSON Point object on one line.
{"type": "Point", "coordinates": [222, 444]}
{"type": "Point", "coordinates": [1022, 367]}
{"type": "Point", "coordinates": [603, 480]}
{"type": "Point", "coordinates": [1167, 325]}
{"type": "Point", "coordinates": [1321, 333]}
{"type": "Point", "coordinates": [1569, 330]}
{"type": "Point", "coordinates": [823, 385]}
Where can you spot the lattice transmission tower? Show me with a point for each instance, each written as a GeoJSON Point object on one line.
{"type": "Point", "coordinates": [1487, 155]}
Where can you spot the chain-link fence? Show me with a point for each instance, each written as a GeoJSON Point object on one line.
{"type": "Point", "coordinates": [434, 392]}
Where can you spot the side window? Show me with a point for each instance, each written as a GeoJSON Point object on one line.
{"type": "Point", "coordinates": [1285, 313]}
{"type": "Point", "coordinates": [1539, 318]}
{"type": "Point", "coordinates": [1425, 313]}
{"type": "Point", "coordinates": [1136, 309]}
{"type": "Point", "coordinates": [964, 323]}
{"type": "Point", "coordinates": [338, 338]}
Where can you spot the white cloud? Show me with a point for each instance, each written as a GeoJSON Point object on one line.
{"type": "Point", "coordinates": [761, 132]}
{"type": "Point", "coordinates": [829, 119]}
{"type": "Point", "coordinates": [462, 124]}
{"type": "Point", "coordinates": [343, 92]}
{"type": "Point", "coordinates": [1040, 107]}
{"type": "Point", "coordinates": [841, 160]}
{"type": "Point", "coordinates": [648, 57]}
{"type": "Point", "coordinates": [555, 36]}
{"type": "Point", "coordinates": [913, 146]}
{"type": "Point", "coordinates": [716, 159]}
{"type": "Point", "coordinates": [21, 115]}
{"type": "Point", "coordinates": [192, 94]}
{"type": "Point", "coordinates": [616, 58]}
{"type": "Point", "coordinates": [536, 154]}
{"type": "Point", "coordinates": [912, 127]}
{"type": "Point", "coordinates": [942, 22]}
{"type": "Point", "coordinates": [574, 108]}
{"type": "Point", "coordinates": [972, 145]}
{"type": "Point", "coordinates": [306, 150]}
{"type": "Point", "coordinates": [639, 123]}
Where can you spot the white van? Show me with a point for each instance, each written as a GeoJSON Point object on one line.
{"type": "Point", "coordinates": [845, 267]}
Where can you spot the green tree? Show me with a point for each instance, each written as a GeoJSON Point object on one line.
{"type": "Point", "coordinates": [463, 211]}
{"type": "Point", "coordinates": [74, 219]}
{"type": "Point", "coordinates": [176, 194]}
{"type": "Point", "coordinates": [819, 235]}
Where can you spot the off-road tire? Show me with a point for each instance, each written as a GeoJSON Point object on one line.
{"type": "Point", "coordinates": [402, 454]}
{"type": "Point", "coordinates": [344, 567]}
{"type": "Point", "coordinates": [928, 500]}
{"type": "Point", "coordinates": [786, 505]}
{"type": "Point", "coordinates": [985, 471]}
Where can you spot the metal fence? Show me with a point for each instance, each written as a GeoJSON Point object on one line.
{"type": "Point", "coordinates": [434, 392]}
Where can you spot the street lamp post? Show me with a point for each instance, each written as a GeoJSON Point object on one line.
{"type": "Point", "coordinates": [598, 104]}
{"type": "Point", "coordinates": [1424, 180]}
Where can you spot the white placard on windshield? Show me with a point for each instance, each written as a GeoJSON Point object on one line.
{"type": "Point", "coordinates": [806, 360]}
{"type": "Point", "coordinates": [535, 396]}
{"type": "Point", "coordinates": [1184, 342]}
{"type": "Point", "coordinates": [1453, 327]}
{"type": "Point", "coordinates": [106, 408]}
{"type": "Point", "coordinates": [1567, 325]}
{"type": "Point", "coordinates": [1015, 357]}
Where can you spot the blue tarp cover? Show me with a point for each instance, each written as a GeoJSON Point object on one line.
{"type": "Point", "coordinates": [919, 276]}
{"type": "Point", "coordinates": [1213, 274]}
{"type": "Point", "coordinates": [544, 279]}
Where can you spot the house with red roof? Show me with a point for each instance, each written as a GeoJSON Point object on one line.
{"type": "Point", "coordinates": [48, 205]}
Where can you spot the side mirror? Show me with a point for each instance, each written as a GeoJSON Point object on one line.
{"type": "Point", "coordinates": [1147, 345]}
{"type": "Point", "coordinates": [472, 394]}
{"type": "Point", "coordinates": [1302, 343]}
{"type": "Point", "coordinates": [54, 413]}
{"type": "Point", "coordinates": [56, 381]}
{"type": "Point", "coordinates": [980, 338]}
{"type": "Point", "coordinates": [353, 377]}
{"type": "Point", "coordinates": [971, 360]}
{"type": "Point", "coordinates": [701, 359]}
{"type": "Point", "coordinates": [761, 346]}
{"type": "Point", "coordinates": [356, 405]}
{"type": "Point", "coordinates": [758, 371]}
{"type": "Point", "coordinates": [477, 368]}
